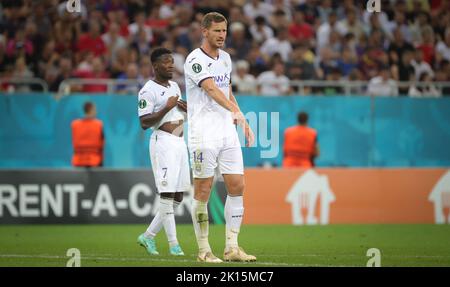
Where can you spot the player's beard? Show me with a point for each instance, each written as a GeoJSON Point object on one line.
{"type": "Point", "coordinates": [213, 43]}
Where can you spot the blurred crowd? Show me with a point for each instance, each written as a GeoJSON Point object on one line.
{"type": "Point", "coordinates": [272, 42]}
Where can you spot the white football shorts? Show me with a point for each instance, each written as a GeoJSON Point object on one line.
{"type": "Point", "coordinates": [170, 163]}
{"type": "Point", "coordinates": [226, 155]}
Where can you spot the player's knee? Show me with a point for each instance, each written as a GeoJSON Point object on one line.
{"type": "Point", "coordinates": [237, 188]}
{"type": "Point", "coordinates": [202, 193]}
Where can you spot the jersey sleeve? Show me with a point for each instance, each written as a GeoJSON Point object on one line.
{"type": "Point", "coordinates": [196, 70]}
{"type": "Point", "coordinates": [146, 102]}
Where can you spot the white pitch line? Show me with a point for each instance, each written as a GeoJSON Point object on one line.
{"type": "Point", "coordinates": [153, 259]}
{"type": "Point", "coordinates": [156, 260]}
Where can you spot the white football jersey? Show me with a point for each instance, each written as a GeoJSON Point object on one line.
{"type": "Point", "coordinates": [207, 120]}
{"type": "Point", "coordinates": [153, 97]}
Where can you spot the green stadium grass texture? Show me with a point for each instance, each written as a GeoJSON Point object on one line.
{"type": "Point", "coordinates": [274, 245]}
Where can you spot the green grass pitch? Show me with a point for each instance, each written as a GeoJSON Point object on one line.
{"type": "Point", "coordinates": [274, 245]}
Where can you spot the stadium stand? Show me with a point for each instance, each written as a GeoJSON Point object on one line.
{"type": "Point", "coordinates": [314, 40]}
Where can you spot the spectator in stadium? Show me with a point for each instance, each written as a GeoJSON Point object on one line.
{"type": "Point", "coordinates": [335, 75]}
{"type": "Point", "coordinates": [300, 148]}
{"type": "Point", "coordinates": [427, 46]}
{"type": "Point", "coordinates": [420, 22]}
{"type": "Point", "coordinates": [255, 8]}
{"type": "Point", "coordinates": [398, 47]}
{"type": "Point", "coordinates": [257, 60]}
{"type": "Point", "coordinates": [420, 66]}
{"type": "Point", "coordinates": [140, 43]}
{"type": "Point", "coordinates": [64, 72]}
{"type": "Point", "coordinates": [88, 139]}
{"type": "Point", "coordinates": [400, 24]}
{"type": "Point", "coordinates": [279, 44]}
{"type": "Point", "coordinates": [300, 31]}
{"type": "Point", "coordinates": [238, 44]}
{"type": "Point", "coordinates": [19, 46]}
{"type": "Point", "coordinates": [145, 69]}
{"type": "Point", "coordinates": [274, 82]}
{"type": "Point", "coordinates": [236, 14]}
{"type": "Point", "coordinates": [309, 9]}
{"type": "Point", "coordinates": [301, 64]}
{"type": "Point", "coordinates": [406, 70]}
{"type": "Point", "coordinates": [92, 41]}
{"type": "Point", "coordinates": [350, 24]}
{"type": "Point", "coordinates": [131, 73]}
{"type": "Point", "coordinates": [328, 61]}
{"type": "Point", "coordinates": [347, 62]}
{"type": "Point", "coordinates": [114, 41]}
{"type": "Point", "coordinates": [260, 31]}
{"type": "Point", "coordinates": [325, 8]}
{"type": "Point", "coordinates": [443, 47]}
{"type": "Point", "coordinates": [425, 88]}
{"type": "Point", "coordinates": [243, 82]}
{"type": "Point", "coordinates": [96, 71]}
{"type": "Point", "coordinates": [138, 25]}
{"type": "Point", "coordinates": [383, 84]}
{"type": "Point", "coordinates": [279, 20]}
{"type": "Point", "coordinates": [324, 30]}
{"type": "Point", "coordinates": [21, 70]}
{"type": "Point", "coordinates": [191, 38]}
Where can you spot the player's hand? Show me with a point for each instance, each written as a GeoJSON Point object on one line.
{"type": "Point", "coordinates": [182, 105]}
{"type": "Point", "coordinates": [171, 102]}
{"type": "Point", "coordinates": [238, 118]}
{"type": "Point", "coordinates": [249, 136]}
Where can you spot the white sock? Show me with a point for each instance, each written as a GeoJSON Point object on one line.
{"type": "Point", "coordinates": [234, 211]}
{"type": "Point", "coordinates": [170, 226]}
{"type": "Point", "coordinates": [158, 221]}
{"type": "Point", "coordinates": [200, 221]}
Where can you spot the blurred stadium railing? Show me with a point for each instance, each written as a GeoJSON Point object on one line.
{"type": "Point", "coordinates": [15, 84]}
{"type": "Point", "coordinates": [131, 86]}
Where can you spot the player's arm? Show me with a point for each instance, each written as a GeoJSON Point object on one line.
{"type": "Point", "coordinates": [217, 95]}
{"type": "Point", "coordinates": [249, 135]}
{"type": "Point", "coordinates": [149, 120]}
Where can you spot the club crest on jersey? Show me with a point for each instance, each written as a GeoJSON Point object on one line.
{"type": "Point", "coordinates": [197, 68]}
{"type": "Point", "coordinates": [142, 104]}
{"type": "Point", "coordinates": [162, 94]}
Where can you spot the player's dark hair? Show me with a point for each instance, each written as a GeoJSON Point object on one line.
{"type": "Point", "coordinates": [212, 17]}
{"type": "Point", "coordinates": [87, 107]}
{"type": "Point", "coordinates": [158, 53]}
{"type": "Point", "coordinates": [302, 118]}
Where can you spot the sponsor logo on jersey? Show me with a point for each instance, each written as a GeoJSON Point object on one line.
{"type": "Point", "coordinates": [222, 81]}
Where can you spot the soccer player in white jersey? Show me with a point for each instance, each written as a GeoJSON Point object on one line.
{"type": "Point", "coordinates": [213, 140]}
{"type": "Point", "coordinates": [161, 109]}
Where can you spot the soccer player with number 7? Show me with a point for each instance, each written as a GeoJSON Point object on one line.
{"type": "Point", "coordinates": [213, 114]}
{"type": "Point", "coordinates": [161, 109]}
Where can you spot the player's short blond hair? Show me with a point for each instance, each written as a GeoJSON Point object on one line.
{"type": "Point", "coordinates": [212, 17]}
